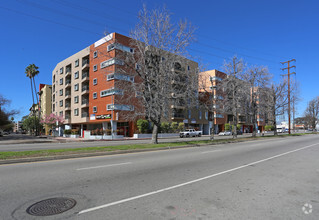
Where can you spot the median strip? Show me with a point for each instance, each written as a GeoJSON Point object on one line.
{"type": "Point", "coordinates": [52, 154]}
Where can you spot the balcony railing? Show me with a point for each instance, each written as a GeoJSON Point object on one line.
{"type": "Point", "coordinates": [84, 62]}
{"type": "Point", "coordinates": [178, 115]}
{"type": "Point", "coordinates": [85, 88]}
{"type": "Point", "coordinates": [85, 102]}
{"type": "Point", "coordinates": [85, 74]}
{"type": "Point", "coordinates": [67, 93]}
{"type": "Point", "coordinates": [67, 82]}
{"type": "Point", "coordinates": [85, 114]}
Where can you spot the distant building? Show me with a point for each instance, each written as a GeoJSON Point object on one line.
{"type": "Point", "coordinates": [45, 102]}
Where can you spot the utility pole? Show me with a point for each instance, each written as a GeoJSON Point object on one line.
{"type": "Point", "coordinates": [289, 73]}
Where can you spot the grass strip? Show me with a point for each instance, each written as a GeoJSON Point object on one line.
{"type": "Point", "coordinates": [83, 150]}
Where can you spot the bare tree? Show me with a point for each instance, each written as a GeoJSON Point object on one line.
{"type": "Point", "coordinates": [312, 112]}
{"type": "Point", "coordinates": [257, 79]}
{"type": "Point", "coordinates": [164, 76]}
{"type": "Point", "coordinates": [234, 90]}
{"type": "Point", "coordinates": [276, 102]}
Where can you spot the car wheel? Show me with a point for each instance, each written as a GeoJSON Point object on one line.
{"type": "Point", "coordinates": [181, 136]}
{"type": "Point", "coordinates": [187, 135]}
{"type": "Point", "coordinates": [199, 135]}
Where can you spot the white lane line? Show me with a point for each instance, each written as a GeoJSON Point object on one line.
{"type": "Point", "coordinates": [109, 165]}
{"type": "Point", "coordinates": [211, 151]}
{"type": "Point", "coordinates": [190, 182]}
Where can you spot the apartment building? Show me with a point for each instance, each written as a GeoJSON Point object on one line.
{"type": "Point", "coordinates": [89, 87]}
{"type": "Point", "coordinates": [45, 102]}
{"type": "Point", "coordinates": [209, 82]}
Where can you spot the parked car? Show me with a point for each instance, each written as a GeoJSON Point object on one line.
{"type": "Point", "coordinates": [239, 132]}
{"type": "Point", "coordinates": [225, 133]}
{"type": "Point", "coordinates": [1, 133]}
{"type": "Point", "coordinates": [190, 133]}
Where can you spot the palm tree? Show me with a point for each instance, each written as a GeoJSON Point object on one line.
{"type": "Point", "coordinates": [31, 71]}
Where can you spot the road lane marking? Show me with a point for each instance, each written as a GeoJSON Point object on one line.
{"type": "Point", "coordinates": [211, 151]}
{"type": "Point", "coordinates": [109, 165]}
{"type": "Point", "coordinates": [190, 182]}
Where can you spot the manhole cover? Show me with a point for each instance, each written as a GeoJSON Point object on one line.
{"type": "Point", "coordinates": [51, 206]}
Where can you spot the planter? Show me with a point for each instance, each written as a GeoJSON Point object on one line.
{"type": "Point", "coordinates": [75, 136]}
{"type": "Point", "coordinates": [160, 135]}
{"type": "Point", "coordinates": [66, 135]}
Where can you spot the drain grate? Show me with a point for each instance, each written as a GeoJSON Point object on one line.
{"type": "Point", "coordinates": [51, 206]}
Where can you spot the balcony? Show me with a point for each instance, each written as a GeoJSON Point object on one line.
{"type": "Point", "coordinates": [178, 116]}
{"type": "Point", "coordinates": [67, 71]}
{"type": "Point", "coordinates": [85, 64]}
{"type": "Point", "coordinates": [67, 83]}
{"type": "Point", "coordinates": [67, 119]}
{"type": "Point", "coordinates": [67, 106]}
{"type": "Point", "coordinates": [85, 89]}
{"type": "Point", "coordinates": [85, 103]}
{"type": "Point", "coordinates": [85, 76]}
{"type": "Point", "coordinates": [85, 115]}
{"type": "Point", "coordinates": [68, 94]}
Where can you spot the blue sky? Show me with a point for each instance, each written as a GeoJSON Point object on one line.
{"type": "Point", "coordinates": [261, 32]}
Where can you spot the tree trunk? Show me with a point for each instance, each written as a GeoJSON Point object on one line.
{"type": "Point", "coordinates": [275, 123]}
{"type": "Point", "coordinates": [32, 108]}
{"type": "Point", "coordinates": [212, 132]}
{"type": "Point", "coordinates": [155, 134]}
{"type": "Point", "coordinates": [36, 95]}
{"type": "Point", "coordinates": [235, 126]}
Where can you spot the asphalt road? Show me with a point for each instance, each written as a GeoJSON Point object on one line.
{"type": "Point", "coordinates": [265, 179]}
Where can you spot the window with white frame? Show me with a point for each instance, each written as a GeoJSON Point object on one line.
{"type": "Point", "coordinates": [61, 92]}
{"type": "Point", "coordinates": [61, 70]}
{"type": "Point", "coordinates": [76, 99]}
{"type": "Point", "coordinates": [76, 112]}
{"type": "Point", "coordinates": [94, 109]}
{"type": "Point", "coordinates": [119, 107]}
{"type": "Point", "coordinates": [76, 63]}
{"type": "Point", "coordinates": [94, 95]}
{"type": "Point", "coordinates": [53, 98]}
{"type": "Point", "coordinates": [111, 91]}
{"type": "Point", "coordinates": [120, 77]}
{"type": "Point", "coordinates": [95, 68]}
{"type": "Point", "coordinates": [111, 62]}
{"type": "Point", "coordinates": [95, 81]}
{"type": "Point", "coordinates": [61, 103]}
{"type": "Point", "coordinates": [61, 81]}
{"type": "Point", "coordinates": [76, 87]}
{"type": "Point", "coordinates": [53, 107]}
{"type": "Point", "coordinates": [95, 54]}
{"type": "Point", "coordinates": [76, 75]}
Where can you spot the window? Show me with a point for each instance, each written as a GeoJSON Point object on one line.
{"type": "Point", "coordinates": [76, 99]}
{"type": "Point", "coordinates": [77, 63]}
{"type": "Point", "coordinates": [53, 88]}
{"type": "Point", "coordinates": [53, 107]}
{"type": "Point", "coordinates": [120, 77]}
{"type": "Point", "coordinates": [53, 98]}
{"type": "Point", "coordinates": [188, 68]}
{"type": "Point", "coordinates": [61, 81]}
{"type": "Point", "coordinates": [61, 103]}
{"type": "Point", "coordinates": [53, 79]}
{"type": "Point", "coordinates": [95, 68]}
{"type": "Point", "coordinates": [200, 115]}
{"type": "Point", "coordinates": [76, 112]}
{"type": "Point", "coordinates": [94, 95]}
{"type": "Point", "coordinates": [215, 78]}
{"type": "Point", "coordinates": [137, 67]}
{"type": "Point", "coordinates": [76, 75]}
{"type": "Point", "coordinates": [95, 54]}
{"type": "Point", "coordinates": [76, 87]}
{"type": "Point", "coordinates": [218, 116]}
{"type": "Point", "coordinates": [111, 92]}
{"type": "Point", "coordinates": [61, 92]}
{"type": "Point", "coordinates": [111, 62]}
{"type": "Point", "coordinates": [95, 81]}
{"type": "Point", "coordinates": [206, 115]}
{"type": "Point", "coordinates": [61, 70]}
{"type": "Point", "coordinates": [119, 107]}
{"type": "Point", "coordinates": [94, 109]}
{"type": "Point", "coordinates": [61, 113]}
{"type": "Point", "coordinates": [189, 113]}
{"type": "Point", "coordinates": [120, 47]}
